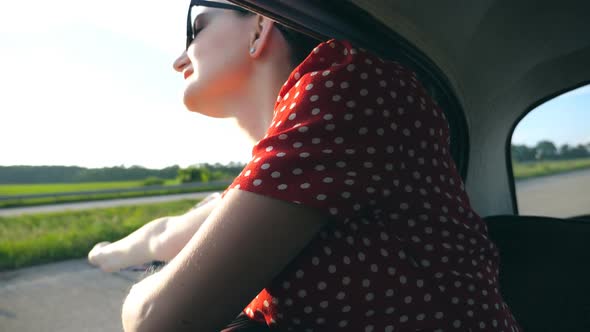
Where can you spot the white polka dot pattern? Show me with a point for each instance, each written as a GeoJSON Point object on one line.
{"type": "Point", "coordinates": [359, 139]}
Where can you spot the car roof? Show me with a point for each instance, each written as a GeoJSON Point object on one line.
{"type": "Point", "coordinates": [493, 61]}
{"type": "Point", "coordinates": [487, 47]}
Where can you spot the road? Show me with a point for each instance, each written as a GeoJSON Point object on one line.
{"type": "Point", "coordinates": [70, 296]}
{"type": "Point", "coordinates": [99, 204]}
{"type": "Point", "coordinates": [563, 195]}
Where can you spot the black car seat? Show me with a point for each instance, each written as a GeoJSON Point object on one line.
{"type": "Point", "coordinates": [544, 270]}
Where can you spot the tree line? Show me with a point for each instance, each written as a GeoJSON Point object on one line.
{"type": "Point", "coordinates": [208, 172]}
{"type": "Point", "coordinates": [547, 150]}
{"type": "Point", "coordinates": [74, 174]}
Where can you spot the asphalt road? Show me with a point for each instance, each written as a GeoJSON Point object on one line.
{"type": "Point", "coordinates": [564, 195]}
{"type": "Point", "coordinates": [70, 296]}
{"type": "Point", "coordinates": [99, 204]}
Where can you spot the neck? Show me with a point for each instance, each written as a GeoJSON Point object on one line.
{"type": "Point", "coordinates": [254, 111]}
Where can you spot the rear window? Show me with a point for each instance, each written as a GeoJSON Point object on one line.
{"type": "Point", "coordinates": [550, 153]}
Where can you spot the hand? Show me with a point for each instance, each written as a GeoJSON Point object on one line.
{"type": "Point", "coordinates": [101, 258]}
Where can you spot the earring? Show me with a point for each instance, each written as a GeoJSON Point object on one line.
{"type": "Point", "coordinates": [252, 50]}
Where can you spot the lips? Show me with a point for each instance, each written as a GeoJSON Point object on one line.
{"type": "Point", "coordinates": [187, 73]}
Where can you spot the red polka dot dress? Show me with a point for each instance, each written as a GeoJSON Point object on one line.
{"type": "Point", "coordinates": [360, 140]}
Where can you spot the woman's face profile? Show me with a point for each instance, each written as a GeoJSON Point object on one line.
{"type": "Point", "coordinates": [215, 64]}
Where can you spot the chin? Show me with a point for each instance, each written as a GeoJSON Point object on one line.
{"type": "Point", "coordinates": [204, 107]}
{"type": "Point", "coordinates": [205, 97]}
{"type": "Point", "coordinates": [194, 101]}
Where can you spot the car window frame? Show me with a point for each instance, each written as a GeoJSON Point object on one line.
{"type": "Point", "coordinates": [508, 144]}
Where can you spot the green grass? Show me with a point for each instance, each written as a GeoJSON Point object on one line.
{"type": "Point", "coordinates": [94, 197]}
{"type": "Point", "coordinates": [51, 188]}
{"type": "Point", "coordinates": [43, 238]}
{"type": "Point", "coordinates": [544, 168]}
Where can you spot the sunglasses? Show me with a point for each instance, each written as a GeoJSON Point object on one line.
{"type": "Point", "coordinates": [190, 28]}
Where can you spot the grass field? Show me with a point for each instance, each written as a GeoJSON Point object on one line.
{"type": "Point", "coordinates": [544, 168]}
{"type": "Point", "coordinates": [61, 190]}
{"type": "Point", "coordinates": [50, 237]}
{"type": "Point", "coordinates": [51, 188]}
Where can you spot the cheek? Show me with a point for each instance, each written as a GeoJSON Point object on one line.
{"type": "Point", "coordinates": [221, 50]}
{"type": "Point", "coordinates": [220, 58]}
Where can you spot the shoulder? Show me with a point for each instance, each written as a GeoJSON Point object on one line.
{"type": "Point", "coordinates": [340, 58]}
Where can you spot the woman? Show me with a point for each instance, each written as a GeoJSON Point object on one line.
{"type": "Point", "coordinates": [161, 239]}
{"type": "Point", "coordinates": [351, 215]}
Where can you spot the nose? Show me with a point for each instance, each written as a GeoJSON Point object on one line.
{"type": "Point", "coordinates": [181, 62]}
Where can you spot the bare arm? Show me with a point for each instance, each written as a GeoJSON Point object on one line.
{"type": "Point", "coordinates": [177, 232]}
{"type": "Point", "coordinates": [160, 239]}
{"type": "Point", "coordinates": [244, 243]}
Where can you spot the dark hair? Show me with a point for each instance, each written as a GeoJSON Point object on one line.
{"type": "Point", "coordinates": [299, 43]}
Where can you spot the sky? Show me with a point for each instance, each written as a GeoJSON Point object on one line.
{"type": "Point", "coordinates": [562, 120]}
{"type": "Point", "coordinates": [91, 84]}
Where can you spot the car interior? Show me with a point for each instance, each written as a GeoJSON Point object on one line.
{"type": "Point", "coordinates": [487, 63]}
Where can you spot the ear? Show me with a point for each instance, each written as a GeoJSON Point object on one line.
{"type": "Point", "coordinates": [260, 39]}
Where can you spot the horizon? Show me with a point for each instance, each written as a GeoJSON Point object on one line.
{"type": "Point", "coordinates": [126, 167]}
{"type": "Point", "coordinates": [94, 88]}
